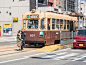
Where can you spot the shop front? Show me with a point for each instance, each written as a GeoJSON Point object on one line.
{"type": "Point", "coordinates": [7, 29]}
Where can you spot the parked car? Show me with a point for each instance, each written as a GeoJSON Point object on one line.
{"type": "Point", "coordinates": [80, 38]}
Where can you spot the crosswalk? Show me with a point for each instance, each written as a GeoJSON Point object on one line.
{"type": "Point", "coordinates": [66, 54]}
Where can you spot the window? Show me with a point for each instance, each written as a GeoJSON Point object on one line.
{"type": "Point", "coordinates": [41, 1]}
{"type": "Point", "coordinates": [48, 24]}
{"type": "Point", "coordinates": [57, 23]}
{"type": "Point", "coordinates": [0, 11]}
{"type": "Point", "coordinates": [67, 24]}
{"type": "Point", "coordinates": [9, 13]}
{"type": "Point", "coordinates": [21, 0]}
{"type": "Point", "coordinates": [32, 24]}
{"type": "Point", "coordinates": [42, 24]}
{"type": "Point", "coordinates": [53, 23]}
{"type": "Point", "coordinates": [24, 24]}
{"type": "Point", "coordinates": [13, 0]}
{"type": "Point", "coordinates": [64, 24]}
{"type": "Point", "coordinates": [61, 24]}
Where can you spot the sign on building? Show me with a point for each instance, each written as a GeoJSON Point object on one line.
{"type": "Point", "coordinates": [15, 19]}
{"type": "Point", "coordinates": [7, 29]}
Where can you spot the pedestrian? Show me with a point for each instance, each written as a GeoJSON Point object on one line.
{"type": "Point", "coordinates": [19, 40]}
{"type": "Point", "coordinates": [23, 37]}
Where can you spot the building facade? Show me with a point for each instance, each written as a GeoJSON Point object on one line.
{"type": "Point", "coordinates": [70, 5]}
{"type": "Point", "coordinates": [83, 7]}
{"type": "Point", "coordinates": [12, 10]}
{"type": "Point", "coordinates": [41, 3]}
{"type": "Point", "coordinates": [11, 14]}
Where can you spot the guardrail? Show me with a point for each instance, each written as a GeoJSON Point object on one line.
{"type": "Point", "coordinates": [66, 37]}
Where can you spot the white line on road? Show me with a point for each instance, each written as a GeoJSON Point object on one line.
{"type": "Point", "coordinates": [80, 57]}
{"type": "Point", "coordinates": [65, 56]}
{"type": "Point", "coordinates": [25, 57]}
{"type": "Point", "coordinates": [49, 56]}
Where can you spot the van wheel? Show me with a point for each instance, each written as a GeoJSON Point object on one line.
{"type": "Point", "coordinates": [73, 47]}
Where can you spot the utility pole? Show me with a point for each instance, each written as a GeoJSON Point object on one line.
{"type": "Point", "coordinates": [36, 4]}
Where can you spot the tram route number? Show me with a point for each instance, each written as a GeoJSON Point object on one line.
{"type": "Point", "coordinates": [32, 35]}
{"type": "Point", "coordinates": [34, 16]}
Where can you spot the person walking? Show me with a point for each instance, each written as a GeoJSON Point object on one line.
{"type": "Point", "coordinates": [19, 41]}
{"type": "Point", "coordinates": [23, 37]}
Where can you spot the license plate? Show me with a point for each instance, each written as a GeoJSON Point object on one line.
{"type": "Point", "coordinates": [80, 44]}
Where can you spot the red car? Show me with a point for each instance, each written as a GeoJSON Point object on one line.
{"type": "Point", "coordinates": [80, 38]}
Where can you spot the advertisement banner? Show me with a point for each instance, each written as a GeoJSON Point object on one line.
{"type": "Point", "coordinates": [7, 29]}
{"type": "Point", "coordinates": [15, 19]}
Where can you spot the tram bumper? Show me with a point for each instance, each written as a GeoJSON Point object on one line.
{"type": "Point", "coordinates": [35, 41]}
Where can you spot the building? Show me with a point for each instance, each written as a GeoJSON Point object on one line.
{"type": "Point", "coordinates": [83, 11]}
{"type": "Point", "coordinates": [55, 3]}
{"type": "Point", "coordinates": [12, 10]}
{"type": "Point", "coordinates": [11, 14]}
{"type": "Point", "coordinates": [83, 7]}
{"type": "Point", "coordinates": [70, 5]}
{"type": "Point", "coordinates": [41, 3]}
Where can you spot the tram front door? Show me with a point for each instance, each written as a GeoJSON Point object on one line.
{"type": "Point", "coordinates": [71, 26]}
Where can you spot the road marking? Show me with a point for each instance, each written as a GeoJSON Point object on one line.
{"type": "Point", "coordinates": [49, 56]}
{"type": "Point", "coordinates": [79, 57]}
{"type": "Point", "coordinates": [65, 56]}
{"type": "Point", "coordinates": [25, 57]}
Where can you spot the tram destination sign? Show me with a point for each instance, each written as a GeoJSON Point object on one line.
{"type": "Point", "coordinates": [34, 16]}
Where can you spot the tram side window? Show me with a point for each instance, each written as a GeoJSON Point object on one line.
{"type": "Point", "coordinates": [64, 24]}
{"type": "Point", "coordinates": [74, 25]}
{"type": "Point", "coordinates": [61, 24]}
{"type": "Point", "coordinates": [42, 23]}
{"type": "Point", "coordinates": [32, 24]}
{"type": "Point", "coordinates": [57, 23]}
{"type": "Point", "coordinates": [24, 24]}
{"type": "Point", "coordinates": [53, 23]}
{"type": "Point", "coordinates": [48, 24]}
{"type": "Point", "coordinates": [67, 24]}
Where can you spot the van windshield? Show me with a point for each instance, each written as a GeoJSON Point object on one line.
{"type": "Point", "coordinates": [81, 33]}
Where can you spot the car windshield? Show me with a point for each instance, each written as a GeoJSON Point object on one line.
{"type": "Point", "coordinates": [81, 33]}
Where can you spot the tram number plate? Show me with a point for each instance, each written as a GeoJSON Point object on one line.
{"type": "Point", "coordinates": [80, 44]}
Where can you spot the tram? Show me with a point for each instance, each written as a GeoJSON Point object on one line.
{"type": "Point", "coordinates": [43, 28]}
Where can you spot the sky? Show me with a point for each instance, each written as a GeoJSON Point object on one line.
{"type": "Point", "coordinates": [83, 0]}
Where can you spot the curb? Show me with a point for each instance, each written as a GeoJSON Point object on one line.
{"type": "Point", "coordinates": [54, 48]}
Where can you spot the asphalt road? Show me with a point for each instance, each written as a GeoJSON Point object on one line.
{"type": "Point", "coordinates": [62, 57]}
{"type": "Point", "coordinates": [7, 43]}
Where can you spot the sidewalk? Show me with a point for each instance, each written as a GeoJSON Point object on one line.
{"type": "Point", "coordinates": [7, 38]}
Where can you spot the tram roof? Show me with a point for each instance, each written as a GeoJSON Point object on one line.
{"type": "Point", "coordinates": [50, 13]}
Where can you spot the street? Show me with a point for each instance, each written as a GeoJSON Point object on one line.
{"type": "Point", "coordinates": [62, 57]}
{"type": "Point", "coordinates": [7, 43]}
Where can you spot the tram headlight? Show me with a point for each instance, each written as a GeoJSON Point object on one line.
{"type": "Point", "coordinates": [74, 40]}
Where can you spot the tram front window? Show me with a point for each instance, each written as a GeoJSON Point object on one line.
{"type": "Point", "coordinates": [32, 24]}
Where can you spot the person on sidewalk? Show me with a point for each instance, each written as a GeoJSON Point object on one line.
{"type": "Point", "coordinates": [23, 37]}
{"type": "Point", "coordinates": [19, 41]}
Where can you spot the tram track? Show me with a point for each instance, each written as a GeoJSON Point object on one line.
{"type": "Point", "coordinates": [9, 50]}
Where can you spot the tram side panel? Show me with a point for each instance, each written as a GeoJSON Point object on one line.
{"type": "Point", "coordinates": [52, 36]}
{"type": "Point", "coordinates": [34, 37]}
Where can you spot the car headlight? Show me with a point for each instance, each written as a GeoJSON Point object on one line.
{"type": "Point", "coordinates": [74, 40]}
